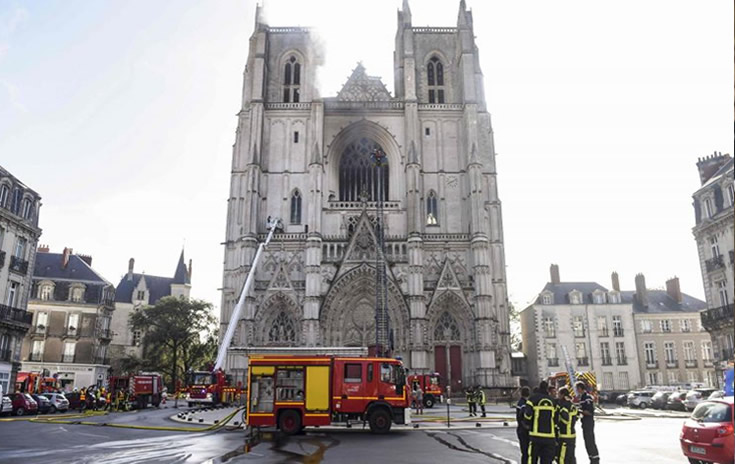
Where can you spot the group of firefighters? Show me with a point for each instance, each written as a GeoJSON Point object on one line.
{"type": "Point", "coordinates": [101, 398]}
{"type": "Point", "coordinates": [546, 420]}
{"type": "Point", "coordinates": [475, 397]}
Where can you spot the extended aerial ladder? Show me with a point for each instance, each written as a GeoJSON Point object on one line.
{"type": "Point", "coordinates": [382, 321]}
{"type": "Point", "coordinates": [273, 225]}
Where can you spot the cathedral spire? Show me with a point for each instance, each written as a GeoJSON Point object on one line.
{"type": "Point", "coordinates": [462, 17]}
{"type": "Point", "coordinates": [406, 12]}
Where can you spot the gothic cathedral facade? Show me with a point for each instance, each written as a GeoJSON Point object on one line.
{"type": "Point", "coordinates": [307, 160]}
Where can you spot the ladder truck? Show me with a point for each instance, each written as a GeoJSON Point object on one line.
{"type": "Point", "coordinates": [214, 387]}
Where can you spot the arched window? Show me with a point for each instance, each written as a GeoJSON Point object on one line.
{"type": "Point", "coordinates": [446, 329]}
{"type": "Point", "coordinates": [292, 80]}
{"type": "Point", "coordinates": [296, 207]}
{"type": "Point", "coordinates": [282, 330]}
{"type": "Point", "coordinates": [27, 209]}
{"type": "Point", "coordinates": [435, 80]}
{"type": "Point", "coordinates": [432, 210]}
{"type": "Point", "coordinates": [4, 194]}
{"type": "Point", "coordinates": [358, 175]}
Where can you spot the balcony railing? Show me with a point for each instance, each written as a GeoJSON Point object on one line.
{"type": "Point", "coordinates": [716, 318]}
{"type": "Point", "coordinates": [5, 355]}
{"type": "Point", "coordinates": [622, 361]}
{"type": "Point", "coordinates": [583, 362]}
{"type": "Point", "coordinates": [67, 358]}
{"type": "Point", "coordinates": [18, 265]}
{"type": "Point", "coordinates": [690, 363]}
{"type": "Point", "coordinates": [672, 363]}
{"type": "Point", "coordinates": [8, 313]}
{"type": "Point", "coordinates": [2, 259]}
{"type": "Point", "coordinates": [652, 365]}
{"type": "Point", "coordinates": [619, 332]}
{"type": "Point", "coordinates": [553, 362]}
{"type": "Point", "coordinates": [713, 264]}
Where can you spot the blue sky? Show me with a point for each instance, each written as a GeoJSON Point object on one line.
{"type": "Point", "coordinates": [122, 116]}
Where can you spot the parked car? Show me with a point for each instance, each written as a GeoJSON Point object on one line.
{"type": "Point", "coordinates": [622, 399]}
{"type": "Point", "coordinates": [44, 405]}
{"type": "Point", "coordinates": [658, 401]}
{"type": "Point", "coordinates": [717, 394]}
{"type": "Point", "coordinates": [6, 407]}
{"type": "Point", "coordinates": [676, 401]}
{"type": "Point", "coordinates": [58, 402]}
{"type": "Point", "coordinates": [640, 399]}
{"type": "Point", "coordinates": [74, 400]}
{"type": "Point", "coordinates": [694, 397]}
{"type": "Point", "coordinates": [707, 436]}
{"type": "Point", "coordinates": [23, 403]}
{"type": "Point", "coordinates": [607, 396]}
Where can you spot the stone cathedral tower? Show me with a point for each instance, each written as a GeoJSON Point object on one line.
{"type": "Point", "coordinates": [306, 159]}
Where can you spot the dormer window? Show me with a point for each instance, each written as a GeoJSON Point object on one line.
{"type": "Point", "coordinates": [435, 80]}
{"type": "Point", "coordinates": [45, 291]}
{"type": "Point", "coordinates": [4, 194]}
{"type": "Point", "coordinates": [731, 194]}
{"type": "Point", "coordinates": [140, 295]}
{"type": "Point", "coordinates": [598, 297]}
{"type": "Point", "coordinates": [27, 209]}
{"type": "Point", "coordinates": [613, 297]}
{"type": "Point", "coordinates": [575, 297]}
{"type": "Point", "coordinates": [547, 299]}
{"type": "Point", "coordinates": [77, 294]}
{"type": "Point", "coordinates": [708, 207]}
{"type": "Point", "coordinates": [292, 80]}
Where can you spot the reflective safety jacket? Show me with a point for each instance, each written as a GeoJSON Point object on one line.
{"type": "Point", "coordinates": [480, 397]}
{"type": "Point", "coordinates": [566, 418]}
{"type": "Point", "coordinates": [470, 397]}
{"type": "Point", "coordinates": [540, 415]}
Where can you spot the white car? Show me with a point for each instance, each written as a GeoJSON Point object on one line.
{"type": "Point", "coordinates": [695, 396]}
{"type": "Point", "coordinates": [58, 402]}
{"type": "Point", "coordinates": [6, 407]}
{"type": "Point", "coordinates": [640, 399]}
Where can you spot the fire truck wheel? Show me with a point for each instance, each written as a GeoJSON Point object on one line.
{"type": "Point", "coordinates": [289, 422]}
{"type": "Point", "coordinates": [379, 421]}
{"type": "Point", "coordinates": [429, 401]}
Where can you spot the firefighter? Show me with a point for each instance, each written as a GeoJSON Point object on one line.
{"type": "Point", "coordinates": [419, 399]}
{"type": "Point", "coordinates": [470, 394]}
{"type": "Point", "coordinates": [480, 399]}
{"type": "Point", "coordinates": [108, 406]}
{"type": "Point", "coordinates": [566, 419]}
{"type": "Point", "coordinates": [587, 409]}
{"type": "Point", "coordinates": [522, 428]}
{"type": "Point", "coordinates": [120, 397]}
{"type": "Point", "coordinates": [82, 399]}
{"type": "Point", "coordinates": [539, 414]}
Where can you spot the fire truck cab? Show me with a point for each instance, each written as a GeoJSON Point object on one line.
{"type": "Point", "coordinates": [208, 387]}
{"type": "Point", "coordinates": [292, 392]}
{"type": "Point", "coordinates": [430, 385]}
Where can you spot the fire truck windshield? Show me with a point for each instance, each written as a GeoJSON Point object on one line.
{"type": "Point", "coordinates": [200, 378]}
{"type": "Point", "coordinates": [434, 379]}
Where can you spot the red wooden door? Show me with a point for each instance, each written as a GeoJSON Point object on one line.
{"type": "Point", "coordinates": [455, 362]}
{"type": "Point", "coordinates": [440, 365]}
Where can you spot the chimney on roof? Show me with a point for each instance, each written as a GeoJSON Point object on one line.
{"type": "Point", "coordinates": [188, 273]}
{"type": "Point", "coordinates": [43, 248]}
{"type": "Point", "coordinates": [131, 264]}
{"type": "Point", "coordinates": [555, 274]}
{"type": "Point", "coordinates": [65, 257]}
{"type": "Point", "coordinates": [709, 165]}
{"type": "Point", "coordinates": [641, 293]}
{"type": "Point", "coordinates": [615, 281]}
{"type": "Point", "coordinates": [87, 259]}
{"type": "Point", "coordinates": [673, 289]}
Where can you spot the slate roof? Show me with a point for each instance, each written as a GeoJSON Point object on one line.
{"type": "Point", "coordinates": [158, 287]}
{"type": "Point", "coordinates": [181, 276]}
{"type": "Point", "coordinates": [660, 302]}
{"type": "Point", "coordinates": [720, 172]}
{"type": "Point", "coordinates": [49, 266]}
{"type": "Point", "coordinates": [561, 291]}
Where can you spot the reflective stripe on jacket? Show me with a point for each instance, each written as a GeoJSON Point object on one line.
{"type": "Point", "coordinates": [566, 416]}
{"type": "Point", "coordinates": [539, 413]}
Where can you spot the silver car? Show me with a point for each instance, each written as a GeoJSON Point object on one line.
{"type": "Point", "coordinates": [640, 398]}
{"type": "Point", "coordinates": [58, 402]}
{"type": "Point", "coordinates": [695, 396]}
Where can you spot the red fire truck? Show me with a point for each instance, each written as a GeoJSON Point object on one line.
{"type": "Point", "coordinates": [207, 387]}
{"type": "Point", "coordinates": [33, 382]}
{"type": "Point", "coordinates": [142, 389]}
{"type": "Point", "coordinates": [292, 392]}
{"type": "Point", "coordinates": [430, 385]}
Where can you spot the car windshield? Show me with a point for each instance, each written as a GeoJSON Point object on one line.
{"type": "Point", "coordinates": [201, 378]}
{"type": "Point", "coordinates": [712, 412]}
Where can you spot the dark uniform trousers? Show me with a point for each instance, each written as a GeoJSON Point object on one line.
{"type": "Point", "coordinates": [588, 431]}
{"type": "Point", "coordinates": [523, 441]}
{"type": "Point", "coordinates": [541, 450]}
{"type": "Point", "coordinates": [565, 451]}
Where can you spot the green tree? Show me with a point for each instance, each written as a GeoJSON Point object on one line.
{"type": "Point", "coordinates": [178, 336]}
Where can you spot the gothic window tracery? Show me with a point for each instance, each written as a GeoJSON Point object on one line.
{"type": "Point", "coordinates": [446, 329]}
{"type": "Point", "coordinates": [435, 80]}
{"type": "Point", "coordinates": [296, 207]}
{"type": "Point", "coordinates": [358, 175]}
{"type": "Point", "coordinates": [292, 80]}
{"type": "Point", "coordinates": [282, 330]}
{"type": "Point", "coordinates": [432, 209]}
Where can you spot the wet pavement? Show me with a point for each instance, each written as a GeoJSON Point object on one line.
{"type": "Point", "coordinates": [620, 441]}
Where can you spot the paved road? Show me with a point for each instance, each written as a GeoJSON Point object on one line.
{"type": "Point", "coordinates": [645, 440]}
